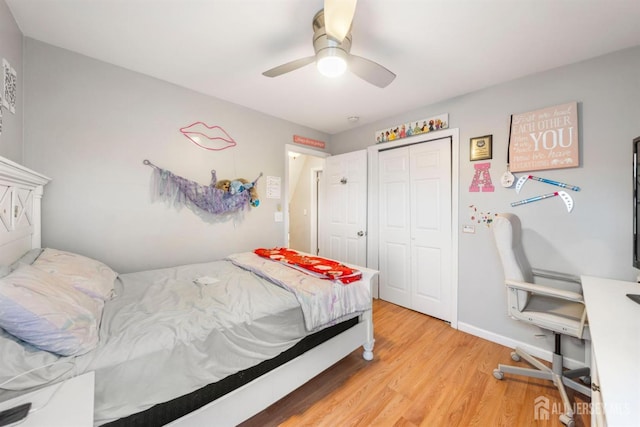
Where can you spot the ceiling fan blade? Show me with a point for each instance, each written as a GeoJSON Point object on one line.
{"type": "Point", "coordinates": [289, 66]}
{"type": "Point", "coordinates": [370, 71]}
{"type": "Point", "coordinates": [338, 15]}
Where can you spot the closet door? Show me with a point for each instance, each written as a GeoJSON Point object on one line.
{"type": "Point", "coordinates": [415, 227]}
{"type": "Point", "coordinates": [395, 227]}
{"type": "Point", "coordinates": [430, 170]}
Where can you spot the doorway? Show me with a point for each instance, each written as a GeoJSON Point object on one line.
{"type": "Point", "coordinates": [303, 169]}
{"type": "Point", "coordinates": [415, 227]}
{"type": "Point", "coordinates": [374, 216]}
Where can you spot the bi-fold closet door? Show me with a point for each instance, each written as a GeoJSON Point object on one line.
{"type": "Point", "coordinates": [415, 227]}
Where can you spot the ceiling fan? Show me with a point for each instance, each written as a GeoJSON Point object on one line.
{"type": "Point", "coordinates": [332, 46]}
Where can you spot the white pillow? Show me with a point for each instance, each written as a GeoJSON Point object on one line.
{"type": "Point", "coordinates": [27, 258]}
{"type": "Point", "coordinates": [40, 309]}
{"type": "Point", "coordinates": [85, 274]}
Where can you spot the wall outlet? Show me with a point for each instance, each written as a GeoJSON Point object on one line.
{"type": "Point", "coordinates": [468, 229]}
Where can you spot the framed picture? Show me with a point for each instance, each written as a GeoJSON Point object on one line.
{"type": "Point", "coordinates": [545, 139]}
{"type": "Point", "coordinates": [481, 148]}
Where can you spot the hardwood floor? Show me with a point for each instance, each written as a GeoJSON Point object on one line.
{"type": "Point", "coordinates": [424, 373]}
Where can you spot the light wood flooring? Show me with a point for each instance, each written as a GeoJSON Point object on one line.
{"type": "Point", "coordinates": [424, 373]}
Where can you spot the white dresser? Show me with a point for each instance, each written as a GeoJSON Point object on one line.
{"type": "Point", "coordinates": [614, 324]}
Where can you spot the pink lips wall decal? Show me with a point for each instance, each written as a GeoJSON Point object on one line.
{"type": "Point", "coordinates": [208, 137]}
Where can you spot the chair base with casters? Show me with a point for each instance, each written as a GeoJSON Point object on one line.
{"type": "Point", "coordinates": [557, 309]}
{"type": "Point", "coordinates": [561, 378]}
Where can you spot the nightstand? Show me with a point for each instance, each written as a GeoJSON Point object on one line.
{"type": "Point", "coordinates": [66, 404]}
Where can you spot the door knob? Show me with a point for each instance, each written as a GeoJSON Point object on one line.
{"type": "Point", "coordinates": [361, 233]}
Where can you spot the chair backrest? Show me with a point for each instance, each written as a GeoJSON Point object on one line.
{"type": "Point", "coordinates": [507, 235]}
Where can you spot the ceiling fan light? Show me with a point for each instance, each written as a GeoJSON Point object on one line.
{"type": "Point", "coordinates": [331, 62]}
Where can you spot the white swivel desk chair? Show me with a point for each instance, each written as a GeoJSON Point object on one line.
{"type": "Point", "coordinates": [560, 311]}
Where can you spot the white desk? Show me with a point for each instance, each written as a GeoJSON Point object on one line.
{"type": "Point", "coordinates": [69, 404]}
{"type": "Point", "coordinates": [614, 324]}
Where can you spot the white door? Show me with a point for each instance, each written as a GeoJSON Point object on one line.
{"type": "Point", "coordinates": [317, 193]}
{"type": "Point", "coordinates": [431, 228]}
{"type": "Point", "coordinates": [395, 226]}
{"type": "Point", "coordinates": [415, 227]}
{"type": "Point", "coordinates": [344, 218]}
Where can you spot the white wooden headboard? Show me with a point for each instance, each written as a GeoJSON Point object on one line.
{"type": "Point", "coordinates": [20, 199]}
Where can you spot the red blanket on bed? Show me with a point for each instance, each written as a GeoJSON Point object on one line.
{"type": "Point", "coordinates": [313, 265]}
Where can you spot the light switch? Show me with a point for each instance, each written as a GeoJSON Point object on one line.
{"type": "Point", "coordinates": [278, 216]}
{"type": "Point", "coordinates": [468, 229]}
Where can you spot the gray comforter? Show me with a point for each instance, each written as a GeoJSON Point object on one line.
{"type": "Point", "coordinates": [169, 332]}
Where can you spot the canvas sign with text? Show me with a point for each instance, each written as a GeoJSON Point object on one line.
{"type": "Point", "coordinates": [545, 139]}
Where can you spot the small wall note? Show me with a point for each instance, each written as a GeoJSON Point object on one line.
{"type": "Point", "coordinates": [274, 187]}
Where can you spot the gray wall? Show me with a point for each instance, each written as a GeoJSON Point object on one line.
{"type": "Point", "coordinates": [11, 50]}
{"type": "Point", "coordinates": [594, 239]}
{"type": "Point", "coordinates": [89, 126]}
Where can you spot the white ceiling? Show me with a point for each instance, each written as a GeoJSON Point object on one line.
{"type": "Point", "coordinates": [438, 49]}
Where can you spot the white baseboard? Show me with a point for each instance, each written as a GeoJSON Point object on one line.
{"type": "Point", "coordinates": [544, 354]}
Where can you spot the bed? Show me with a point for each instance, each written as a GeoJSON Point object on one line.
{"type": "Point", "coordinates": [202, 344]}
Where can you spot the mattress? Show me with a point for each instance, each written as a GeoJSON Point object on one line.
{"type": "Point", "coordinates": [166, 412]}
